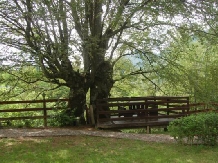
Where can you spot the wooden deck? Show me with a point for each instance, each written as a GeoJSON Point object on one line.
{"type": "Point", "coordinates": [133, 123]}
{"type": "Point", "coordinates": [120, 113]}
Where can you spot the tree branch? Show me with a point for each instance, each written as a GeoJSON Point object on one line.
{"type": "Point", "coordinates": [153, 83]}
{"type": "Point", "coordinates": [138, 72]}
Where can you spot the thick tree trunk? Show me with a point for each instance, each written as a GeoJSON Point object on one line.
{"type": "Point", "coordinates": [102, 84]}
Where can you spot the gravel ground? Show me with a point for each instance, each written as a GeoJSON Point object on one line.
{"type": "Point", "coordinates": [48, 132]}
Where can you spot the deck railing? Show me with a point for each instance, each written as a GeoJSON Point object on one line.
{"type": "Point", "coordinates": [131, 112]}
{"type": "Point", "coordinates": [140, 111]}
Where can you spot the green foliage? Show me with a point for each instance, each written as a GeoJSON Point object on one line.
{"type": "Point", "coordinates": [32, 85]}
{"type": "Point", "coordinates": [118, 24]}
{"type": "Point", "coordinates": [190, 68]}
{"type": "Point", "coordinates": [137, 131]}
{"type": "Point", "coordinates": [62, 119]}
{"type": "Point", "coordinates": [127, 82]}
{"type": "Point", "coordinates": [202, 127]}
{"type": "Point", "coordinates": [62, 116]}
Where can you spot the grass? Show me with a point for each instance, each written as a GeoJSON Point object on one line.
{"type": "Point", "coordinates": [87, 149]}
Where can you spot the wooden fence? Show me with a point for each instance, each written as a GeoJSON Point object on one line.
{"type": "Point", "coordinates": [122, 112]}
{"type": "Point", "coordinates": [202, 107]}
{"type": "Point", "coordinates": [43, 109]}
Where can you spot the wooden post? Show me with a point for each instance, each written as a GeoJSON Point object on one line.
{"type": "Point", "coordinates": [92, 115]}
{"type": "Point", "coordinates": [168, 112]}
{"type": "Point", "coordinates": [187, 113]}
{"type": "Point", "coordinates": [148, 130]}
{"type": "Point", "coordinates": [146, 112]}
{"type": "Point", "coordinates": [44, 110]}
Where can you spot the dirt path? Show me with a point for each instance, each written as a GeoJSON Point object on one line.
{"type": "Point", "coordinates": [48, 132]}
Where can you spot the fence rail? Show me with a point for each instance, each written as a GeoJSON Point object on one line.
{"type": "Point", "coordinates": [44, 109]}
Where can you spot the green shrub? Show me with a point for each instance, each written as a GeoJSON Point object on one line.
{"type": "Point", "coordinates": [202, 127]}
{"type": "Point", "coordinates": [62, 116]}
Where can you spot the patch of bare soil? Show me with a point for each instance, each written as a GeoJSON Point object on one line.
{"type": "Point", "coordinates": [77, 131]}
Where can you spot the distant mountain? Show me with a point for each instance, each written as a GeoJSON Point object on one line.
{"type": "Point", "coordinates": [136, 61]}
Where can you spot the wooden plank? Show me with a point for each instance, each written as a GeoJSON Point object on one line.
{"type": "Point", "coordinates": [142, 98]}
{"type": "Point", "coordinates": [32, 101]}
{"type": "Point", "coordinates": [26, 117]}
{"type": "Point", "coordinates": [141, 110]}
{"type": "Point", "coordinates": [141, 117]}
{"type": "Point", "coordinates": [121, 104]}
{"type": "Point", "coordinates": [141, 103]}
{"type": "Point", "coordinates": [201, 110]}
{"type": "Point", "coordinates": [24, 110]}
{"type": "Point", "coordinates": [132, 125]}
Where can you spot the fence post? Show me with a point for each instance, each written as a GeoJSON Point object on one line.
{"type": "Point", "coordinates": [44, 110]}
{"type": "Point", "coordinates": [168, 112]}
{"type": "Point", "coordinates": [188, 106]}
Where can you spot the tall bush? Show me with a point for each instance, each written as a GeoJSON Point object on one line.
{"type": "Point", "coordinates": [202, 127]}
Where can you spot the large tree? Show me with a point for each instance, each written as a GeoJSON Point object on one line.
{"type": "Point", "coordinates": [75, 41]}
